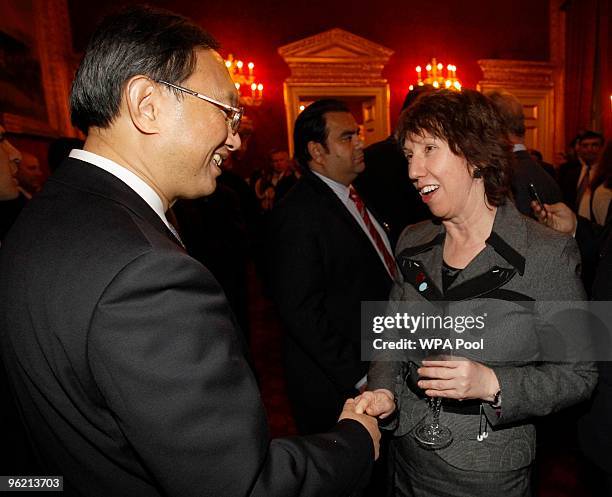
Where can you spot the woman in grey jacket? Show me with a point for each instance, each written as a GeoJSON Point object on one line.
{"type": "Point", "coordinates": [480, 251]}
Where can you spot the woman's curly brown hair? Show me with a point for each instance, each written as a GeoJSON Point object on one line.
{"type": "Point", "coordinates": [470, 124]}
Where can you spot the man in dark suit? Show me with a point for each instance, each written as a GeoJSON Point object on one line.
{"type": "Point", "coordinates": [524, 170]}
{"type": "Point", "coordinates": [537, 157]}
{"type": "Point", "coordinates": [121, 349]}
{"type": "Point", "coordinates": [575, 175]}
{"type": "Point", "coordinates": [595, 425]}
{"type": "Point", "coordinates": [286, 176]}
{"type": "Point", "coordinates": [385, 184]}
{"type": "Point", "coordinates": [324, 259]}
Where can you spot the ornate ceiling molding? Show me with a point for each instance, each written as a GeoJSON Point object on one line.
{"type": "Point", "coordinates": [516, 72]}
{"type": "Point", "coordinates": [335, 56]}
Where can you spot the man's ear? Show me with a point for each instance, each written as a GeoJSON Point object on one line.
{"type": "Point", "coordinates": [315, 150]}
{"type": "Point", "coordinates": [142, 99]}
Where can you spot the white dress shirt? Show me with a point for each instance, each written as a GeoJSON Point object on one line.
{"type": "Point", "coordinates": [342, 192]}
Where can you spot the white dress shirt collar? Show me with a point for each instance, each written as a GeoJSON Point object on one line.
{"type": "Point", "coordinates": [128, 177]}
{"type": "Point", "coordinates": [342, 191]}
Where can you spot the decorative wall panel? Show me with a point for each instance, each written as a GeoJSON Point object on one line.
{"type": "Point", "coordinates": [532, 83]}
{"type": "Point", "coordinates": [339, 64]}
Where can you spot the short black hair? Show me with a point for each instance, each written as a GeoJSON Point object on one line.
{"type": "Point", "coordinates": [510, 110]}
{"type": "Point", "coordinates": [471, 125]}
{"type": "Point", "coordinates": [587, 135]}
{"type": "Point", "coordinates": [311, 126]}
{"type": "Point", "coordinates": [537, 153]}
{"type": "Point", "coordinates": [137, 40]}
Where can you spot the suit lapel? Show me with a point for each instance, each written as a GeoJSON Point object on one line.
{"type": "Point", "coordinates": [420, 266]}
{"type": "Point", "coordinates": [380, 220]}
{"type": "Point", "coordinates": [490, 270]}
{"type": "Point", "coordinates": [88, 177]}
{"type": "Point", "coordinates": [498, 262]}
{"type": "Point", "coordinates": [336, 205]}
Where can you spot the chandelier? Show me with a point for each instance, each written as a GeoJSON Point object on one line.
{"type": "Point", "coordinates": [251, 92]}
{"type": "Point", "coordinates": [435, 76]}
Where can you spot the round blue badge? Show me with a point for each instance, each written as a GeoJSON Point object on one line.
{"type": "Point", "coordinates": [422, 287]}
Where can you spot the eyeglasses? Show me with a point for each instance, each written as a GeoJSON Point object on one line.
{"type": "Point", "coordinates": [233, 114]}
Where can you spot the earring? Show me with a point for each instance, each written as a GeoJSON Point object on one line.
{"type": "Point", "coordinates": [477, 173]}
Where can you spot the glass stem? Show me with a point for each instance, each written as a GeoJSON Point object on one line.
{"type": "Point", "coordinates": [436, 404]}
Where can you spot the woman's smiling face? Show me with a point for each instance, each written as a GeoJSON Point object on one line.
{"type": "Point", "coordinates": [443, 179]}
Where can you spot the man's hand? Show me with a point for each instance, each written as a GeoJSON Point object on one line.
{"type": "Point", "coordinates": [556, 216]}
{"type": "Point", "coordinates": [379, 403]}
{"type": "Point", "coordinates": [370, 423]}
{"type": "Point", "coordinates": [458, 379]}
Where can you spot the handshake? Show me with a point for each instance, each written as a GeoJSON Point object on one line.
{"type": "Point", "coordinates": [368, 406]}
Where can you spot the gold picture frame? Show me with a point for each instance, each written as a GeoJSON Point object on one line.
{"type": "Point", "coordinates": [35, 67]}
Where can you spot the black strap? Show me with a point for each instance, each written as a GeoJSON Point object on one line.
{"type": "Point", "coordinates": [419, 249]}
{"type": "Point", "coordinates": [494, 278]}
{"type": "Point", "coordinates": [507, 252]}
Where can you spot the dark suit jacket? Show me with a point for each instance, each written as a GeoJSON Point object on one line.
{"type": "Point", "coordinates": [215, 233]}
{"type": "Point", "coordinates": [568, 176]}
{"type": "Point", "coordinates": [285, 184]}
{"type": "Point", "coordinates": [321, 266]}
{"type": "Point", "coordinates": [9, 210]}
{"type": "Point", "coordinates": [595, 427]}
{"type": "Point", "coordinates": [386, 187]}
{"type": "Point", "coordinates": [127, 365]}
{"type": "Point", "coordinates": [524, 171]}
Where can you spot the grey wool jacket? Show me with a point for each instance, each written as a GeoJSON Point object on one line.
{"type": "Point", "coordinates": [525, 270]}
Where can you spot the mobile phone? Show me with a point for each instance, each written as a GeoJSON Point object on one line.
{"type": "Point", "coordinates": [533, 193]}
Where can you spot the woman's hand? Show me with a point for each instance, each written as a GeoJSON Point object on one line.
{"type": "Point", "coordinates": [379, 403]}
{"type": "Point", "coordinates": [459, 379]}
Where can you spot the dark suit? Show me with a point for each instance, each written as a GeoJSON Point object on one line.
{"type": "Point", "coordinates": [568, 176]}
{"type": "Point", "coordinates": [595, 427]}
{"type": "Point", "coordinates": [525, 171]}
{"type": "Point", "coordinates": [386, 187]}
{"type": "Point", "coordinates": [286, 183]}
{"type": "Point", "coordinates": [126, 362]}
{"type": "Point", "coordinates": [215, 233]}
{"type": "Point", "coordinates": [321, 266]}
{"type": "Point", "coordinates": [9, 210]}
{"type": "Point", "coordinates": [550, 169]}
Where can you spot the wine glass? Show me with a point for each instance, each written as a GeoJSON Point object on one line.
{"type": "Point", "coordinates": [430, 433]}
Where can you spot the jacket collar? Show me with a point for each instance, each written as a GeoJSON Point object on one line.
{"type": "Point", "coordinates": [498, 262]}
{"type": "Point", "coordinates": [332, 200]}
{"type": "Point", "coordinates": [324, 189]}
{"type": "Point", "coordinates": [96, 181]}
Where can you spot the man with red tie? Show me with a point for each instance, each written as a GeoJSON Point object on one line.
{"type": "Point", "coordinates": [327, 254]}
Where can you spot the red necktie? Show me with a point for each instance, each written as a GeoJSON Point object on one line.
{"type": "Point", "coordinates": [380, 244]}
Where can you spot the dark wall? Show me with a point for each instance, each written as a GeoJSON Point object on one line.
{"type": "Point", "coordinates": [455, 31]}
